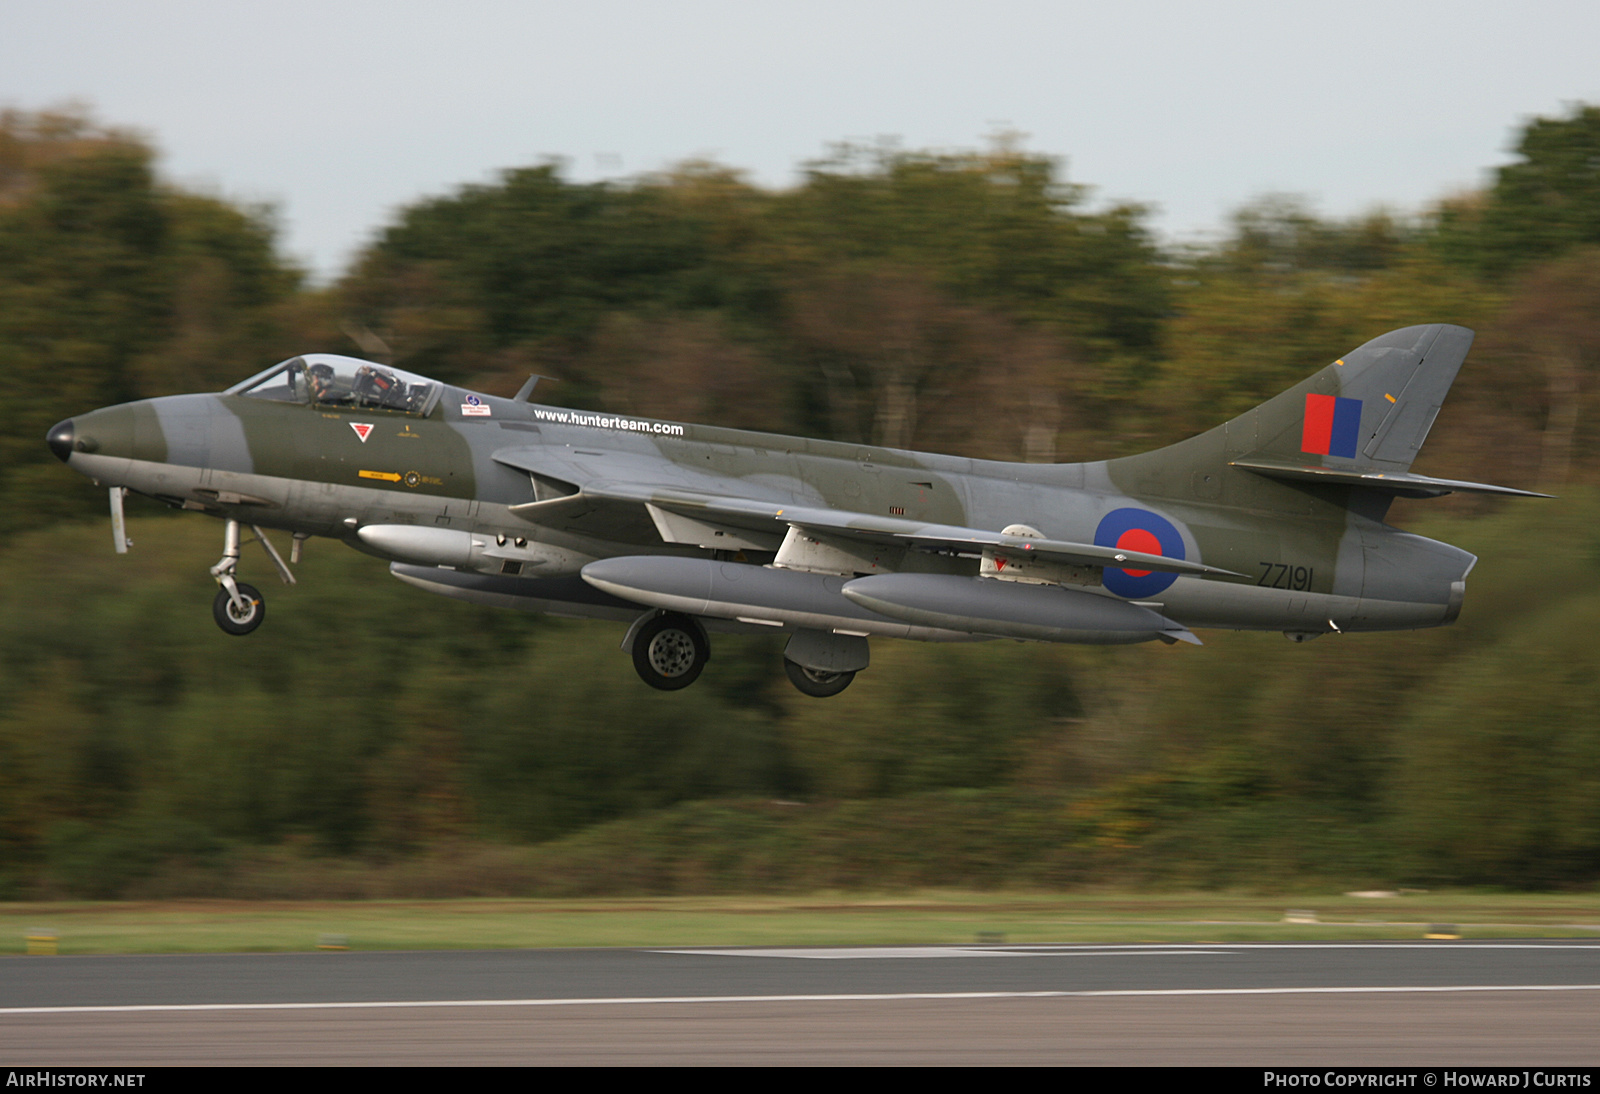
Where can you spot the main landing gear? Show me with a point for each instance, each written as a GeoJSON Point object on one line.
{"type": "Point", "coordinates": [818, 685]}
{"type": "Point", "coordinates": [239, 608]}
{"type": "Point", "coordinates": [670, 649]}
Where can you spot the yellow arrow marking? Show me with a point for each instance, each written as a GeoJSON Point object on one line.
{"type": "Point", "coordinates": [387, 476]}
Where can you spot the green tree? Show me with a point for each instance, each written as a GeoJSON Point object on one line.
{"type": "Point", "coordinates": [915, 278]}
{"type": "Point", "coordinates": [1544, 203]}
{"type": "Point", "coordinates": [113, 287]}
{"type": "Point", "coordinates": [1000, 226]}
{"type": "Point", "coordinates": [801, 295]}
{"type": "Point", "coordinates": [530, 268]}
{"type": "Point", "coordinates": [1281, 233]}
{"type": "Point", "coordinates": [1543, 353]}
{"type": "Point", "coordinates": [1283, 295]}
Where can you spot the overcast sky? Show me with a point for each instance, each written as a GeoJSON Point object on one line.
{"type": "Point", "coordinates": [339, 112]}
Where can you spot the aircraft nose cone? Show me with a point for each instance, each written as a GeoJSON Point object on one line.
{"type": "Point", "coordinates": [60, 439]}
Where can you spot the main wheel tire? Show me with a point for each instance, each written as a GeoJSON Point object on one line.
{"type": "Point", "coordinates": [669, 652]}
{"type": "Point", "coordinates": [818, 685]}
{"type": "Point", "coordinates": [228, 615]}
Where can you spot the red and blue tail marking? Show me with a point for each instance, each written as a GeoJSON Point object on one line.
{"type": "Point", "coordinates": [1333, 426]}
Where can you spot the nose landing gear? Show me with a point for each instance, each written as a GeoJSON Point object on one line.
{"type": "Point", "coordinates": [242, 615]}
{"type": "Point", "coordinates": [239, 608]}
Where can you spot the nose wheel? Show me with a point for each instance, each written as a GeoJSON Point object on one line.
{"type": "Point", "coordinates": [242, 615]}
{"type": "Point", "coordinates": [239, 608]}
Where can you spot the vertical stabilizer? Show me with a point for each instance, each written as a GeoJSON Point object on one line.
{"type": "Point", "coordinates": [1359, 422]}
{"type": "Point", "coordinates": [1368, 411]}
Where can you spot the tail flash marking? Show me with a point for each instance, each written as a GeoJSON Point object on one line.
{"type": "Point", "coordinates": [1332, 426]}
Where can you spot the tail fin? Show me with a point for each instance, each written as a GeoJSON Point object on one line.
{"type": "Point", "coordinates": [1358, 422]}
{"type": "Point", "coordinates": [1368, 411]}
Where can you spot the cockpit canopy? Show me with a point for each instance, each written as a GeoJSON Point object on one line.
{"type": "Point", "coordinates": [327, 379]}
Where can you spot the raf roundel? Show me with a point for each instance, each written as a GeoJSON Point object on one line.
{"type": "Point", "coordinates": [1138, 530]}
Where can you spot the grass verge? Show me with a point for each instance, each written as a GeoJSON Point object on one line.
{"type": "Point", "coordinates": [822, 919]}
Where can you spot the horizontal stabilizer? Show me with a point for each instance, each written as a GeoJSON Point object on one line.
{"type": "Point", "coordinates": [1401, 483]}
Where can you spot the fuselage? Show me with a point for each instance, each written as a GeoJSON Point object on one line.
{"type": "Point", "coordinates": [1305, 558]}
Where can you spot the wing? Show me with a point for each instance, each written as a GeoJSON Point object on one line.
{"type": "Point", "coordinates": [707, 510]}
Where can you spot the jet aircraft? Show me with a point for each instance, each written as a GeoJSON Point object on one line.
{"type": "Point", "coordinates": [1271, 521]}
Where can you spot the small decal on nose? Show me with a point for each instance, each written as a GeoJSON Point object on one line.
{"type": "Point", "coordinates": [362, 429]}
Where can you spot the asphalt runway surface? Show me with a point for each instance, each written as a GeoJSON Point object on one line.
{"type": "Point", "coordinates": [1438, 1004]}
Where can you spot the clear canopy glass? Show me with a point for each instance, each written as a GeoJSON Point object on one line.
{"type": "Point", "coordinates": [327, 379]}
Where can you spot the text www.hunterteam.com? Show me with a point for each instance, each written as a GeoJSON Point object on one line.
{"type": "Point", "coordinates": [602, 421]}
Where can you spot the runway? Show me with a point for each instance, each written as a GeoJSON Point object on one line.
{"type": "Point", "coordinates": [1435, 1003]}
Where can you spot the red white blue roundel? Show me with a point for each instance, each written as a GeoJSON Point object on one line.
{"type": "Point", "coordinates": [1138, 530]}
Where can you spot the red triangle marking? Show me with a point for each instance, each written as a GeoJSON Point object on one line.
{"type": "Point", "coordinates": [362, 429]}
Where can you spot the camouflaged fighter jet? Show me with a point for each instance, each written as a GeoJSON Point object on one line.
{"type": "Point", "coordinates": [1273, 521]}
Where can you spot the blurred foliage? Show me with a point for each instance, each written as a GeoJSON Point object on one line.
{"type": "Point", "coordinates": [971, 302]}
{"type": "Point", "coordinates": [114, 287]}
{"type": "Point", "coordinates": [143, 750]}
{"type": "Point", "coordinates": [884, 282]}
{"type": "Point", "coordinates": [1286, 294]}
{"type": "Point", "coordinates": [1544, 203]}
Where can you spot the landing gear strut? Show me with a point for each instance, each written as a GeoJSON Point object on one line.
{"type": "Point", "coordinates": [669, 651]}
{"type": "Point", "coordinates": [239, 608]}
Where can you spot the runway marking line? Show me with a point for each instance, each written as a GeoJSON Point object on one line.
{"type": "Point", "coordinates": [147, 1008]}
{"type": "Point", "coordinates": [1161, 949]}
{"type": "Point", "coordinates": [918, 952]}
